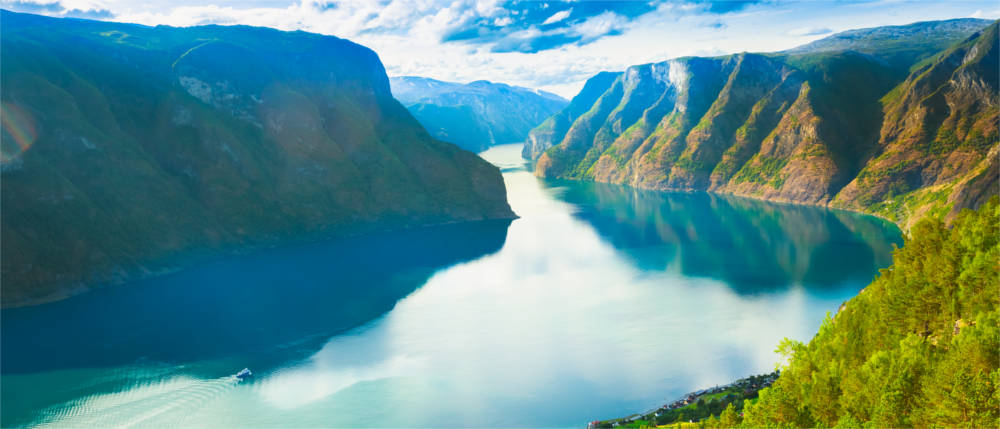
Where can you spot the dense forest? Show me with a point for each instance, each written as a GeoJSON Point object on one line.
{"type": "Point", "coordinates": [919, 347]}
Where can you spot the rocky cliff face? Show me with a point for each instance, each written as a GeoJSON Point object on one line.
{"type": "Point", "coordinates": [848, 128]}
{"type": "Point", "coordinates": [550, 132]}
{"type": "Point", "coordinates": [476, 115]}
{"type": "Point", "coordinates": [937, 150]}
{"type": "Point", "coordinates": [128, 150]}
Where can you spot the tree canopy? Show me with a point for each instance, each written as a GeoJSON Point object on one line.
{"type": "Point", "coordinates": [919, 347]}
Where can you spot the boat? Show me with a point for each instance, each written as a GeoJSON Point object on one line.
{"type": "Point", "coordinates": [244, 374]}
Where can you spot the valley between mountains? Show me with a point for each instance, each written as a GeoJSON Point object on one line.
{"type": "Point", "coordinates": [302, 240]}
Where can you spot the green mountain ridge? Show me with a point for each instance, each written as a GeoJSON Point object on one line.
{"type": "Point", "coordinates": [897, 45]}
{"type": "Point", "coordinates": [902, 131]}
{"type": "Point", "coordinates": [128, 150]}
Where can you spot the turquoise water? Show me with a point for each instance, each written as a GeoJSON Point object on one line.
{"type": "Point", "coordinates": [597, 302]}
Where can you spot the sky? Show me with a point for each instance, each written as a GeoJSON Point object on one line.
{"type": "Point", "coordinates": [549, 45]}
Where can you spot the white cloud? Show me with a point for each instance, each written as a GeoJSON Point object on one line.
{"type": "Point", "coordinates": [979, 13]}
{"type": "Point", "coordinates": [558, 16]}
{"type": "Point", "coordinates": [407, 34]}
{"type": "Point", "coordinates": [599, 25]}
{"type": "Point", "coordinates": [809, 31]}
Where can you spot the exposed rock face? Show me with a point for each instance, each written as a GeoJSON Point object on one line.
{"type": "Point", "coordinates": [545, 135]}
{"type": "Point", "coordinates": [126, 147]}
{"type": "Point", "coordinates": [843, 128]}
{"type": "Point", "coordinates": [476, 115]}
{"type": "Point", "coordinates": [937, 153]}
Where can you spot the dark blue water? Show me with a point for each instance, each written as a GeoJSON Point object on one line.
{"type": "Point", "coordinates": [598, 302]}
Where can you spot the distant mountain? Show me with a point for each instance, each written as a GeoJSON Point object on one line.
{"type": "Point", "coordinates": [842, 127]}
{"type": "Point", "coordinates": [476, 115]}
{"type": "Point", "coordinates": [128, 150]}
{"type": "Point", "coordinates": [897, 43]}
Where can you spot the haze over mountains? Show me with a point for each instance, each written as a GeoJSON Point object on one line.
{"type": "Point", "coordinates": [475, 115]}
{"type": "Point", "coordinates": [126, 147]}
{"type": "Point", "coordinates": [895, 121]}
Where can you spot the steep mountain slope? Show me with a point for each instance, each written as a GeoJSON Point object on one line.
{"type": "Point", "coordinates": [545, 135]}
{"type": "Point", "coordinates": [476, 115]}
{"type": "Point", "coordinates": [802, 126]}
{"type": "Point", "coordinates": [126, 148]}
{"type": "Point", "coordinates": [938, 147]}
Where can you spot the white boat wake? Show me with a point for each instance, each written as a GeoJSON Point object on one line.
{"type": "Point", "coordinates": [163, 403]}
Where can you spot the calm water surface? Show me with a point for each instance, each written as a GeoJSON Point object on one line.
{"type": "Point", "coordinates": [598, 302]}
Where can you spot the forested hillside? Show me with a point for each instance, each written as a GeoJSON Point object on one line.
{"type": "Point", "coordinates": [919, 347]}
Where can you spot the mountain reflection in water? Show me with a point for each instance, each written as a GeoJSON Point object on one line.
{"type": "Point", "coordinates": [599, 301]}
{"type": "Point", "coordinates": [754, 246]}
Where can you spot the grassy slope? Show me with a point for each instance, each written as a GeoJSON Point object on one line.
{"type": "Point", "coordinates": [127, 146]}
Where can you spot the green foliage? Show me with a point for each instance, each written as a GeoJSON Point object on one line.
{"type": "Point", "coordinates": [690, 164]}
{"type": "Point", "coordinates": [919, 347]}
{"type": "Point", "coordinates": [899, 202]}
{"type": "Point", "coordinates": [718, 408]}
{"type": "Point", "coordinates": [729, 418]}
{"type": "Point", "coordinates": [871, 174]}
{"type": "Point", "coordinates": [762, 170]}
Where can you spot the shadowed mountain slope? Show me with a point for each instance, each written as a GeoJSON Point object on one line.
{"type": "Point", "coordinates": [127, 147]}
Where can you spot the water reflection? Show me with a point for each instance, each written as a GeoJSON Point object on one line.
{"type": "Point", "coordinates": [754, 246]}
{"type": "Point", "coordinates": [601, 302]}
{"type": "Point", "coordinates": [242, 305]}
{"type": "Point", "coordinates": [597, 306]}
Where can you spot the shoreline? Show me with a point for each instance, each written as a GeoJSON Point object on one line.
{"type": "Point", "coordinates": [900, 225]}
{"type": "Point", "coordinates": [713, 397]}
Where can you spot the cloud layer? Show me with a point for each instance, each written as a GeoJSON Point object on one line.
{"type": "Point", "coordinates": [56, 9]}
{"type": "Point", "coordinates": [553, 45]}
